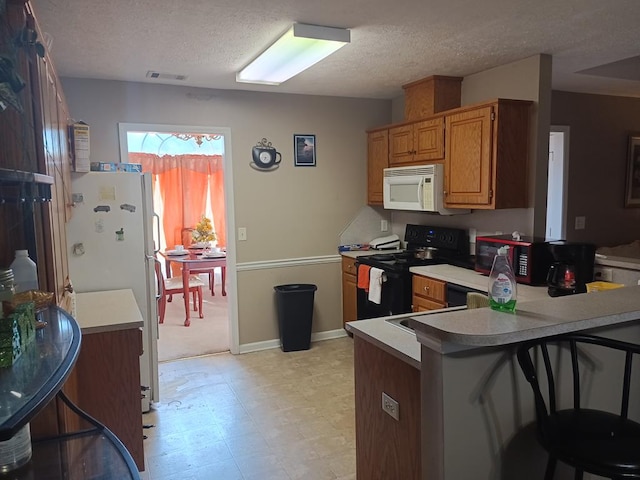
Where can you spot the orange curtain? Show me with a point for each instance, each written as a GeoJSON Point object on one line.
{"type": "Point", "coordinates": [216, 187]}
{"type": "Point", "coordinates": [183, 181]}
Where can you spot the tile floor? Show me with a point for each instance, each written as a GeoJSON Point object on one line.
{"type": "Point", "coordinates": [264, 415]}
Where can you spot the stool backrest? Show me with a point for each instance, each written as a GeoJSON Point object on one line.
{"type": "Point", "coordinates": [531, 352]}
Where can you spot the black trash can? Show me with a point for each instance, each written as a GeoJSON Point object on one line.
{"type": "Point", "coordinates": [295, 314]}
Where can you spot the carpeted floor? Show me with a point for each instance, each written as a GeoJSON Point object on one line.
{"type": "Point", "coordinates": [204, 336]}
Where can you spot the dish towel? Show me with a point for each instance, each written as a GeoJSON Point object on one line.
{"type": "Point", "coordinates": [376, 277]}
{"type": "Point", "coordinates": [363, 277]}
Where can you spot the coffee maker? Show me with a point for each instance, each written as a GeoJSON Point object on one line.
{"type": "Point", "coordinates": [572, 268]}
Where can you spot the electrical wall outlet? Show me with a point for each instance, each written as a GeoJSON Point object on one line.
{"type": "Point", "coordinates": [242, 234]}
{"type": "Point", "coordinates": [384, 225]}
{"type": "Point", "coordinates": [606, 274]}
{"type": "Point", "coordinates": [581, 222]}
{"type": "Point", "coordinates": [390, 406]}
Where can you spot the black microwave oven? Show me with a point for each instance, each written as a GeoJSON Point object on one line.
{"type": "Point", "coordinates": [530, 257]}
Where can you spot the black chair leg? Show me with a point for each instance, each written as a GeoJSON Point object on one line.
{"type": "Point", "coordinates": [551, 468]}
{"type": "Point", "coordinates": [578, 475]}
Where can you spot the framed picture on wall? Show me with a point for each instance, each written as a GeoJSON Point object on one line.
{"type": "Point", "coordinates": [304, 147]}
{"type": "Point", "coordinates": [632, 197]}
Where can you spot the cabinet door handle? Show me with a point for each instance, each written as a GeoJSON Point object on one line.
{"type": "Point", "coordinates": [426, 288]}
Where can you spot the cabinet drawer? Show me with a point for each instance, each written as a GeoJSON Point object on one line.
{"type": "Point", "coordinates": [349, 266]}
{"type": "Point", "coordinates": [421, 304]}
{"type": "Point", "coordinates": [429, 288]}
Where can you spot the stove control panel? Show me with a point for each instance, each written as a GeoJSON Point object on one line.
{"type": "Point", "coordinates": [444, 238]}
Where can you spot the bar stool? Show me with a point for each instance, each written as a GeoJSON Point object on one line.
{"type": "Point", "coordinates": [592, 441]}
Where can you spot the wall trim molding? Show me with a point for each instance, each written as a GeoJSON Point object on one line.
{"type": "Point", "coordinates": [287, 262]}
{"type": "Point", "coordinates": [269, 344]}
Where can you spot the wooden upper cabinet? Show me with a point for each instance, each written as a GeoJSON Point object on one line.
{"type": "Point", "coordinates": [428, 137]}
{"type": "Point", "coordinates": [486, 155]}
{"type": "Point", "coordinates": [377, 161]}
{"type": "Point", "coordinates": [418, 142]}
{"type": "Point", "coordinates": [428, 96]}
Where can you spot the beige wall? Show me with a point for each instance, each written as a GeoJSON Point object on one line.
{"type": "Point", "coordinates": [293, 214]}
{"type": "Point", "coordinates": [599, 129]}
{"type": "Point", "coordinates": [257, 285]}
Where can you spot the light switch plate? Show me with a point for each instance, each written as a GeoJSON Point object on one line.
{"type": "Point", "coordinates": [581, 222]}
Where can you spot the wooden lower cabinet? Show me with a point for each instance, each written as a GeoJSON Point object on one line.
{"type": "Point", "coordinates": [105, 383]}
{"type": "Point", "coordinates": [107, 376]}
{"type": "Point", "coordinates": [428, 294]}
{"type": "Point", "coordinates": [386, 449]}
{"type": "Point", "coordinates": [349, 290]}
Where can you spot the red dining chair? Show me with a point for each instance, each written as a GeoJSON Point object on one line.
{"type": "Point", "coordinates": [173, 285]}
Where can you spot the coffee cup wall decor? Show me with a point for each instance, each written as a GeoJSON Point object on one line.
{"type": "Point", "coordinates": [265, 157]}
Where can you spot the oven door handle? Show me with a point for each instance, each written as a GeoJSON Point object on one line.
{"type": "Point", "coordinates": [388, 274]}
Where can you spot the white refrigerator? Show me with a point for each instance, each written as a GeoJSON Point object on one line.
{"type": "Point", "coordinates": [111, 247]}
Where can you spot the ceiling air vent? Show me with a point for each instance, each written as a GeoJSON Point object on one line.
{"type": "Point", "coordinates": [165, 76]}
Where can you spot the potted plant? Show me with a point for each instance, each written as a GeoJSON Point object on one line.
{"type": "Point", "coordinates": [203, 234]}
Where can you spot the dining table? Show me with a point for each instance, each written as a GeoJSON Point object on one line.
{"type": "Point", "coordinates": [194, 259]}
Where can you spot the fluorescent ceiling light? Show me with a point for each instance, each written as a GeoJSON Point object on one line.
{"type": "Point", "coordinates": [298, 49]}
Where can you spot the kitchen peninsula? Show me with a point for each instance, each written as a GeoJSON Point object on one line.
{"type": "Point", "coordinates": [476, 408]}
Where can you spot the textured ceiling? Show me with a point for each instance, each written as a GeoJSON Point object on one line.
{"type": "Point", "coordinates": [392, 43]}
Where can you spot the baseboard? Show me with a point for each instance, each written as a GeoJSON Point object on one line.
{"type": "Point", "coordinates": [328, 335]}
{"type": "Point", "coordinates": [268, 344]}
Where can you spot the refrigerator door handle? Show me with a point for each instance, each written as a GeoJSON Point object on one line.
{"type": "Point", "coordinates": [156, 224]}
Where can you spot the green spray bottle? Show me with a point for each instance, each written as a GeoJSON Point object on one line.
{"type": "Point", "coordinates": [502, 283]}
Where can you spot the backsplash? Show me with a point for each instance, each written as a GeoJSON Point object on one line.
{"type": "Point", "coordinates": [365, 226]}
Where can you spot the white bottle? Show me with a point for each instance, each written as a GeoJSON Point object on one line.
{"type": "Point", "coordinates": [25, 272]}
{"type": "Point", "coordinates": [502, 283]}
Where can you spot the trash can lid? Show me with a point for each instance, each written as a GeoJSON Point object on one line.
{"type": "Point", "coordinates": [296, 287]}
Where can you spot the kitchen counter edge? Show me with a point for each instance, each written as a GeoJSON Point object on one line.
{"type": "Point", "coordinates": [460, 330]}
{"type": "Point", "coordinates": [390, 338]}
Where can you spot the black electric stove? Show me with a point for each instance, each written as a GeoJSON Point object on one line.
{"type": "Point", "coordinates": [451, 247]}
{"type": "Point", "coordinates": [403, 261]}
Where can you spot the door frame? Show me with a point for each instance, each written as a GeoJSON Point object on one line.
{"type": "Point", "coordinates": [565, 130]}
{"type": "Point", "coordinates": [232, 282]}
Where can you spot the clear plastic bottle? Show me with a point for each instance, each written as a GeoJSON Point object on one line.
{"type": "Point", "coordinates": [25, 272]}
{"type": "Point", "coordinates": [502, 283]}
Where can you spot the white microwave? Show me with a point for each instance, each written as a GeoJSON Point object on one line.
{"type": "Point", "coordinates": [417, 188]}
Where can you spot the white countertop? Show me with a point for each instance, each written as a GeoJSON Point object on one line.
{"type": "Point", "coordinates": [535, 319]}
{"type": "Point", "coordinates": [620, 262]}
{"type": "Point", "coordinates": [107, 311]}
{"type": "Point", "coordinates": [472, 279]}
{"type": "Point", "coordinates": [393, 339]}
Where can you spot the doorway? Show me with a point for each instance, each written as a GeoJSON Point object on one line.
{"type": "Point", "coordinates": [217, 331]}
{"type": "Point", "coordinates": [557, 183]}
